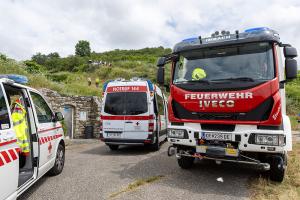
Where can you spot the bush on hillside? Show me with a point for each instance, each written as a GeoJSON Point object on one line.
{"type": "Point", "coordinates": [33, 68]}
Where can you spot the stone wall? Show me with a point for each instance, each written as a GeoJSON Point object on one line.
{"type": "Point", "coordinates": [89, 104]}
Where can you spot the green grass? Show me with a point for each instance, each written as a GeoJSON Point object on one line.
{"type": "Point", "coordinates": [75, 84]}
{"type": "Point", "coordinates": [136, 184]}
{"type": "Point", "coordinates": [264, 189]}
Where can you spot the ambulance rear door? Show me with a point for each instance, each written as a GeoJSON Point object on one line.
{"type": "Point", "coordinates": [137, 117]}
{"type": "Point", "coordinates": [9, 159]}
{"type": "Point", "coordinates": [113, 115]}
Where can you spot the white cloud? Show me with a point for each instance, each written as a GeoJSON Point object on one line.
{"type": "Point", "coordinates": [30, 26]}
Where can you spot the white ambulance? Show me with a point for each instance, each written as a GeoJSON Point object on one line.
{"type": "Point", "coordinates": [45, 137]}
{"type": "Point", "coordinates": [133, 112]}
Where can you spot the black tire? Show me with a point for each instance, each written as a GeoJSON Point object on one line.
{"type": "Point", "coordinates": [185, 162]}
{"type": "Point", "coordinates": [156, 145]}
{"type": "Point", "coordinates": [113, 147]}
{"type": "Point", "coordinates": [277, 168]}
{"type": "Point", "coordinates": [59, 161]}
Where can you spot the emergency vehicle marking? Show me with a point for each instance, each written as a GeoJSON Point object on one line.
{"type": "Point", "coordinates": [8, 142]}
{"type": "Point", "coordinates": [50, 129]}
{"type": "Point", "coordinates": [222, 99]}
{"type": "Point", "coordinates": [119, 117]}
{"type": "Point", "coordinates": [8, 156]}
{"type": "Point", "coordinates": [44, 140]}
{"type": "Point", "coordinates": [50, 147]}
{"type": "Point", "coordinates": [127, 89]}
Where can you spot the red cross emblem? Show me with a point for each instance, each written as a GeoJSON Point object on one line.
{"type": "Point", "coordinates": [137, 123]}
{"type": "Point", "coordinates": [50, 147]}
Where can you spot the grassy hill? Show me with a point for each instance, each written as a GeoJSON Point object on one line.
{"type": "Point", "coordinates": [69, 75]}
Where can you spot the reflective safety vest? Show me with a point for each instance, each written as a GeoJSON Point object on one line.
{"type": "Point", "coordinates": [20, 127]}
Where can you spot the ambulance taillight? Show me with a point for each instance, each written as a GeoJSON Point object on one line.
{"type": "Point", "coordinates": [151, 124]}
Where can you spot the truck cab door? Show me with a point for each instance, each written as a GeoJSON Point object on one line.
{"type": "Point", "coordinates": [9, 159]}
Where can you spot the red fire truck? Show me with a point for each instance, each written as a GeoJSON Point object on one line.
{"type": "Point", "coordinates": [227, 99]}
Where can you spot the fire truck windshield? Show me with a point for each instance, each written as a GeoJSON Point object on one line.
{"type": "Point", "coordinates": [241, 63]}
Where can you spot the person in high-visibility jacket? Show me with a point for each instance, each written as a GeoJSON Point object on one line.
{"type": "Point", "coordinates": [198, 74]}
{"type": "Point", "coordinates": [20, 127]}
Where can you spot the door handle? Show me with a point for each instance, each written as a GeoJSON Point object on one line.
{"type": "Point", "coordinates": [129, 122]}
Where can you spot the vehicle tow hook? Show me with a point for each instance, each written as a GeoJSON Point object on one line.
{"type": "Point", "coordinates": [171, 151]}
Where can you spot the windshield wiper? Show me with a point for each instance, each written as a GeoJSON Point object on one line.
{"type": "Point", "coordinates": [195, 81]}
{"type": "Point", "coordinates": [246, 79]}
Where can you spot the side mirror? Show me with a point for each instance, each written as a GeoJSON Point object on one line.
{"type": "Point", "coordinates": [161, 61]}
{"type": "Point", "coordinates": [290, 52]}
{"type": "Point", "coordinates": [291, 68]}
{"type": "Point", "coordinates": [161, 75]}
{"type": "Point", "coordinates": [58, 116]}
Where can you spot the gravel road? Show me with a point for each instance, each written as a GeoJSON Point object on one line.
{"type": "Point", "coordinates": [92, 171]}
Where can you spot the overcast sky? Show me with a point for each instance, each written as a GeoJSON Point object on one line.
{"type": "Point", "coordinates": [30, 26]}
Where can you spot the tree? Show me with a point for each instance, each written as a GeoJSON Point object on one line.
{"type": "Point", "coordinates": [82, 48]}
{"type": "Point", "coordinates": [39, 58]}
{"type": "Point", "coordinates": [53, 55]}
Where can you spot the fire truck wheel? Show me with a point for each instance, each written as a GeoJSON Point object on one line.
{"type": "Point", "coordinates": [185, 162]}
{"type": "Point", "coordinates": [113, 147]}
{"type": "Point", "coordinates": [277, 168]}
{"type": "Point", "coordinates": [59, 161]}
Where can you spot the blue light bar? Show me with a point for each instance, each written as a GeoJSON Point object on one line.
{"type": "Point", "coordinates": [16, 78]}
{"type": "Point", "coordinates": [190, 39]}
{"type": "Point", "coordinates": [105, 85]}
{"type": "Point", "coordinates": [257, 29]}
{"type": "Point", "coordinates": [150, 84]}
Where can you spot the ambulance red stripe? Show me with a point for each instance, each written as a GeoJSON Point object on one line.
{"type": "Point", "coordinates": [18, 150]}
{"type": "Point", "coordinates": [8, 142]}
{"type": "Point", "coordinates": [5, 156]}
{"type": "Point", "coordinates": [44, 140]}
{"type": "Point", "coordinates": [50, 129]}
{"type": "Point", "coordinates": [129, 88]}
{"type": "Point", "coordinates": [12, 154]}
{"type": "Point", "coordinates": [1, 162]}
{"type": "Point", "coordinates": [119, 117]}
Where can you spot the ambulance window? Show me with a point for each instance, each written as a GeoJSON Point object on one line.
{"type": "Point", "coordinates": [126, 103]}
{"type": "Point", "coordinates": [44, 113]}
{"type": "Point", "coordinates": [4, 118]}
{"type": "Point", "coordinates": [136, 103]}
{"type": "Point", "coordinates": [114, 103]}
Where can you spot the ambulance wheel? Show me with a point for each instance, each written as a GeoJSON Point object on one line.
{"type": "Point", "coordinates": [156, 145]}
{"type": "Point", "coordinates": [185, 162]}
{"type": "Point", "coordinates": [277, 168]}
{"type": "Point", "coordinates": [113, 147]}
{"type": "Point", "coordinates": [59, 161]}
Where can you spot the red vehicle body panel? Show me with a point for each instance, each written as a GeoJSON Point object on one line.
{"type": "Point", "coordinates": [190, 101]}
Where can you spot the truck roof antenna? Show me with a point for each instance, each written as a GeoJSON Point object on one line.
{"type": "Point", "coordinates": [200, 38]}
{"type": "Point", "coordinates": [237, 34]}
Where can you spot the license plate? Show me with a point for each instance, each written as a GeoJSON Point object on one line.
{"type": "Point", "coordinates": [216, 136]}
{"type": "Point", "coordinates": [114, 135]}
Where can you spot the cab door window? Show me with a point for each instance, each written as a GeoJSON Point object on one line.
{"type": "Point", "coordinates": [4, 117]}
{"type": "Point", "coordinates": [44, 113]}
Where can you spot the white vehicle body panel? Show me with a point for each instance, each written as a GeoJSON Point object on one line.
{"type": "Point", "coordinates": [45, 134]}
{"type": "Point", "coordinates": [132, 128]}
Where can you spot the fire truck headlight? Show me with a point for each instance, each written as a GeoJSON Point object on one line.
{"type": "Point", "coordinates": [272, 140]}
{"type": "Point", "coordinates": [176, 133]}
